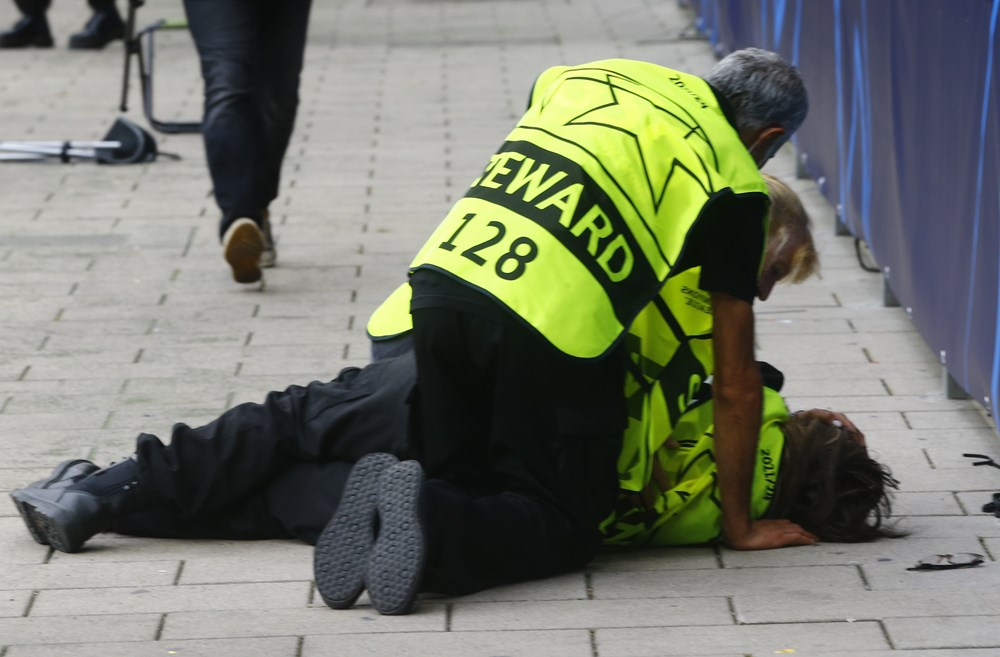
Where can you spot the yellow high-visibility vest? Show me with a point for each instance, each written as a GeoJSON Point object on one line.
{"type": "Point", "coordinates": [584, 212]}
{"type": "Point", "coordinates": [689, 510]}
{"type": "Point", "coordinates": [670, 355]}
{"type": "Point", "coordinates": [392, 318]}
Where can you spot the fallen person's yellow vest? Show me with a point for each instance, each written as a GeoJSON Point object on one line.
{"type": "Point", "coordinates": [686, 509]}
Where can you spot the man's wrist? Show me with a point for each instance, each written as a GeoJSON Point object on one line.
{"type": "Point", "coordinates": [735, 529]}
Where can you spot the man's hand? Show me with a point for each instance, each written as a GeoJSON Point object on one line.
{"type": "Point", "coordinates": [770, 534]}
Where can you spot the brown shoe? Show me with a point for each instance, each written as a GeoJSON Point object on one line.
{"type": "Point", "coordinates": [242, 246]}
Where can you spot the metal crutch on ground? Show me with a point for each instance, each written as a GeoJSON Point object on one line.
{"type": "Point", "coordinates": [125, 143]}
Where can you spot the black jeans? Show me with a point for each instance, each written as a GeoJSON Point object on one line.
{"type": "Point", "coordinates": [251, 55]}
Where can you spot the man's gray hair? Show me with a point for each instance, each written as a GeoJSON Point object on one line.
{"type": "Point", "coordinates": [762, 88]}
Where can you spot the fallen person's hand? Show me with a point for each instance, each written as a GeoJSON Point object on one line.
{"type": "Point", "coordinates": [770, 534]}
{"type": "Point", "coordinates": [837, 420]}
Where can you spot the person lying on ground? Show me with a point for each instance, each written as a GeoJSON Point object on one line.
{"type": "Point", "coordinates": [278, 470]}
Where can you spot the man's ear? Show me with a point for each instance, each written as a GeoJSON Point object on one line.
{"type": "Point", "coordinates": [763, 143]}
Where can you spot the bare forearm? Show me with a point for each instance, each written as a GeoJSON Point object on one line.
{"type": "Point", "coordinates": [737, 392]}
{"type": "Point", "coordinates": [737, 418]}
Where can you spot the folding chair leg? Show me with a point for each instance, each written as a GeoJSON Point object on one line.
{"type": "Point", "coordinates": [146, 77]}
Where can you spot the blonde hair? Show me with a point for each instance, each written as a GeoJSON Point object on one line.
{"type": "Point", "coordinates": [788, 218]}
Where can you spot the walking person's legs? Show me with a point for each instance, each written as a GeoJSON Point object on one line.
{"type": "Point", "coordinates": [226, 34]}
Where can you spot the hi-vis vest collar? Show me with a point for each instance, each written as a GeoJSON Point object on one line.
{"type": "Point", "coordinates": [586, 209]}
{"type": "Point", "coordinates": [689, 510]}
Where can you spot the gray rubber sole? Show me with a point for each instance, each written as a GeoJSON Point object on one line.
{"type": "Point", "coordinates": [64, 520]}
{"type": "Point", "coordinates": [34, 525]}
{"type": "Point", "coordinates": [341, 555]}
{"type": "Point", "coordinates": [63, 475]}
{"type": "Point", "coordinates": [397, 558]}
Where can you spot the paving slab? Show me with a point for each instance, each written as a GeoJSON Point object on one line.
{"type": "Point", "coordinates": [569, 614]}
{"type": "Point", "coordinates": [75, 630]}
{"type": "Point", "coordinates": [741, 640]}
{"type": "Point", "coordinates": [946, 633]}
{"type": "Point", "coordinates": [554, 643]}
{"type": "Point", "coordinates": [819, 606]}
{"type": "Point", "coordinates": [728, 581]}
{"type": "Point", "coordinates": [252, 647]}
{"type": "Point", "coordinates": [53, 576]}
{"type": "Point", "coordinates": [304, 621]}
{"type": "Point", "coordinates": [162, 599]}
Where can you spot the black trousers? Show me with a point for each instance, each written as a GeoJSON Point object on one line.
{"type": "Point", "coordinates": [276, 469]}
{"type": "Point", "coordinates": [520, 444]}
{"type": "Point", "coordinates": [251, 54]}
{"type": "Point", "coordinates": [38, 8]}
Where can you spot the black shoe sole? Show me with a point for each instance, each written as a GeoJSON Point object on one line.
{"type": "Point", "coordinates": [50, 523]}
{"type": "Point", "coordinates": [57, 479]}
{"type": "Point", "coordinates": [342, 550]}
{"type": "Point", "coordinates": [34, 526]}
{"type": "Point", "coordinates": [397, 560]}
{"type": "Point", "coordinates": [10, 44]}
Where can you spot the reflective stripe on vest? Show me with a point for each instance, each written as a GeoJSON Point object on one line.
{"type": "Point", "coordinates": [690, 511]}
{"type": "Point", "coordinates": [583, 213]}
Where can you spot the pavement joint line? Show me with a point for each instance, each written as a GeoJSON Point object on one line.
{"type": "Point", "coordinates": [159, 627]}
{"type": "Point", "coordinates": [733, 613]}
{"type": "Point", "coordinates": [886, 635]}
{"type": "Point", "coordinates": [31, 603]}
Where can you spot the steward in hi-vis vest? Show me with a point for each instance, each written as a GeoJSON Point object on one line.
{"type": "Point", "coordinates": [591, 223]}
{"type": "Point", "coordinates": [680, 504]}
{"type": "Point", "coordinates": [538, 323]}
{"type": "Point", "coordinates": [620, 174]}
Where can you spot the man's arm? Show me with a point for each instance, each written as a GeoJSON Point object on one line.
{"type": "Point", "coordinates": [736, 389]}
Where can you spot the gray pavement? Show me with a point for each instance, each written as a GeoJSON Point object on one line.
{"type": "Point", "coordinates": [117, 315]}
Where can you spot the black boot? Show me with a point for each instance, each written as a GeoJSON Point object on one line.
{"type": "Point", "coordinates": [66, 517]}
{"type": "Point", "coordinates": [63, 475]}
{"type": "Point", "coordinates": [104, 26]}
{"type": "Point", "coordinates": [27, 32]}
